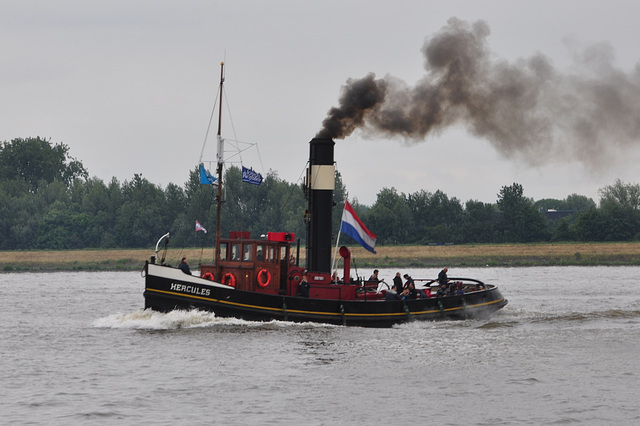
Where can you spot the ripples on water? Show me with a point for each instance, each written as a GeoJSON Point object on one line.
{"type": "Point", "coordinates": [78, 349]}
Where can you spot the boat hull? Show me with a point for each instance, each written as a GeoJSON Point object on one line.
{"type": "Point", "coordinates": [168, 288]}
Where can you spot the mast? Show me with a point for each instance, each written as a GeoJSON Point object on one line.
{"type": "Point", "coordinates": [220, 159]}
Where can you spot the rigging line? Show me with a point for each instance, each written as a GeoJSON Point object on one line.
{"type": "Point", "coordinates": [302, 172]}
{"type": "Point", "coordinates": [260, 158]}
{"type": "Point", "coordinates": [206, 136]}
{"type": "Point", "coordinates": [239, 142]}
{"type": "Point", "coordinates": [290, 194]}
{"type": "Point", "coordinates": [249, 146]}
{"type": "Point", "coordinates": [238, 148]}
{"type": "Point", "coordinates": [285, 203]}
{"type": "Point", "coordinates": [233, 127]}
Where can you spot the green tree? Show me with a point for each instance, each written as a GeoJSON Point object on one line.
{"type": "Point", "coordinates": [562, 214]}
{"type": "Point", "coordinates": [620, 206]}
{"type": "Point", "coordinates": [591, 226]}
{"type": "Point", "coordinates": [274, 205]}
{"type": "Point", "coordinates": [390, 218]}
{"type": "Point", "coordinates": [479, 222]}
{"type": "Point", "coordinates": [520, 221]}
{"type": "Point", "coordinates": [35, 160]}
{"type": "Point", "coordinates": [200, 204]}
{"type": "Point", "coordinates": [550, 204]}
{"type": "Point", "coordinates": [142, 218]}
{"type": "Point", "coordinates": [63, 227]}
{"type": "Point", "coordinates": [563, 231]}
{"type": "Point", "coordinates": [579, 203]}
{"type": "Point", "coordinates": [625, 195]}
{"type": "Point", "coordinates": [436, 218]}
{"type": "Point", "coordinates": [102, 202]}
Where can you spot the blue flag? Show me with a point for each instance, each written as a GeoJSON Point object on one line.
{"type": "Point", "coordinates": [249, 176]}
{"type": "Point", "coordinates": [205, 177]}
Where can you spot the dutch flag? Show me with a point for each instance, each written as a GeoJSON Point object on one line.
{"type": "Point", "coordinates": [200, 227]}
{"type": "Point", "coordinates": [353, 227]}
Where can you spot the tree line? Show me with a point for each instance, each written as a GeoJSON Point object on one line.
{"type": "Point", "coordinates": [48, 201]}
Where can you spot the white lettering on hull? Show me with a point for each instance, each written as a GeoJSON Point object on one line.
{"type": "Point", "coordinates": [182, 288]}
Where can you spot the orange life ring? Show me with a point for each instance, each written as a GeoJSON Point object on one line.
{"type": "Point", "coordinates": [229, 279]}
{"type": "Point", "coordinates": [208, 276]}
{"type": "Point", "coordinates": [263, 282]}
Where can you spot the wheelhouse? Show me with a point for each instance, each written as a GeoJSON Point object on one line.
{"type": "Point", "coordinates": [262, 265]}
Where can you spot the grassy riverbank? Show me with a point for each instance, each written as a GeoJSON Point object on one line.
{"type": "Point", "coordinates": [583, 254]}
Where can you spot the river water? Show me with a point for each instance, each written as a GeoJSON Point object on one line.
{"type": "Point", "coordinates": [78, 349]}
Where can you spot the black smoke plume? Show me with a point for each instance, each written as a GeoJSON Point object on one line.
{"type": "Point", "coordinates": [525, 109]}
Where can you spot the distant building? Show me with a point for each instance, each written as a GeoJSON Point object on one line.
{"type": "Point", "coordinates": [553, 214]}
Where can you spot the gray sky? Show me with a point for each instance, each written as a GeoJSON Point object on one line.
{"type": "Point", "coordinates": [129, 86]}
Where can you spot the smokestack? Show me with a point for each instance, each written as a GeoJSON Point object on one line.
{"type": "Point", "coordinates": [320, 186]}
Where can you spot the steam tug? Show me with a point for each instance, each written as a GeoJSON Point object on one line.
{"type": "Point", "coordinates": [262, 280]}
{"type": "Point", "coordinates": [258, 279]}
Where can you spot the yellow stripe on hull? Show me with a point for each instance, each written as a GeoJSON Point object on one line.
{"type": "Point", "coordinates": [346, 314]}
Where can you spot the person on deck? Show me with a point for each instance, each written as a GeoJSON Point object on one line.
{"type": "Point", "coordinates": [411, 290]}
{"type": "Point", "coordinates": [409, 281]}
{"type": "Point", "coordinates": [443, 280]}
{"type": "Point", "coordinates": [397, 283]}
{"type": "Point", "coordinates": [304, 286]}
{"type": "Point", "coordinates": [184, 266]}
{"type": "Point", "coordinates": [374, 276]}
{"type": "Point", "coordinates": [392, 295]}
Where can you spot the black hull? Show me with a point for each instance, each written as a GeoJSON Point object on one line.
{"type": "Point", "coordinates": [167, 289]}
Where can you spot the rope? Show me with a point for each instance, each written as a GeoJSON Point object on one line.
{"type": "Point", "coordinates": [206, 136]}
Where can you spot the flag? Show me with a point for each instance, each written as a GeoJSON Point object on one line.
{"type": "Point", "coordinates": [353, 227]}
{"type": "Point", "coordinates": [200, 227]}
{"type": "Point", "coordinates": [249, 176]}
{"type": "Point", "coordinates": [205, 177]}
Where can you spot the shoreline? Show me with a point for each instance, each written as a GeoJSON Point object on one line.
{"type": "Point", "coordinates": [472, 255]}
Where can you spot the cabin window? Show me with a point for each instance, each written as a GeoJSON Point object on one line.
{"type": "Point", "coordinates": [260, 253]}
{"type": "Point", "coordinates": [270, 254]}
{"type": "Point", "coordinates": [247, 254]}
{"type": "Point", "coordinates": [283, 253]}
{"type": "Point", "coordinates": [235, 251]}
{"type": "Point", "coordinates": [223, 251]}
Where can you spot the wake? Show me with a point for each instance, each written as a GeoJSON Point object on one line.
{"type": "Point", "coordinates": [148, 319]}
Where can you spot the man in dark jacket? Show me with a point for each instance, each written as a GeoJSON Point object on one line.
{"type": "Point", "coordinates": [397, 283]}
{"type": "Point", "coordinates": [409, 281]}
{"type": "Point", "coordinates": [411, 290]}
{"type": "Point", "coordinates": [304, 286]}
{"type": "Point", "coordinates": [184, 266]}
{"type": "Point", "coordinates": [442, 278]}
